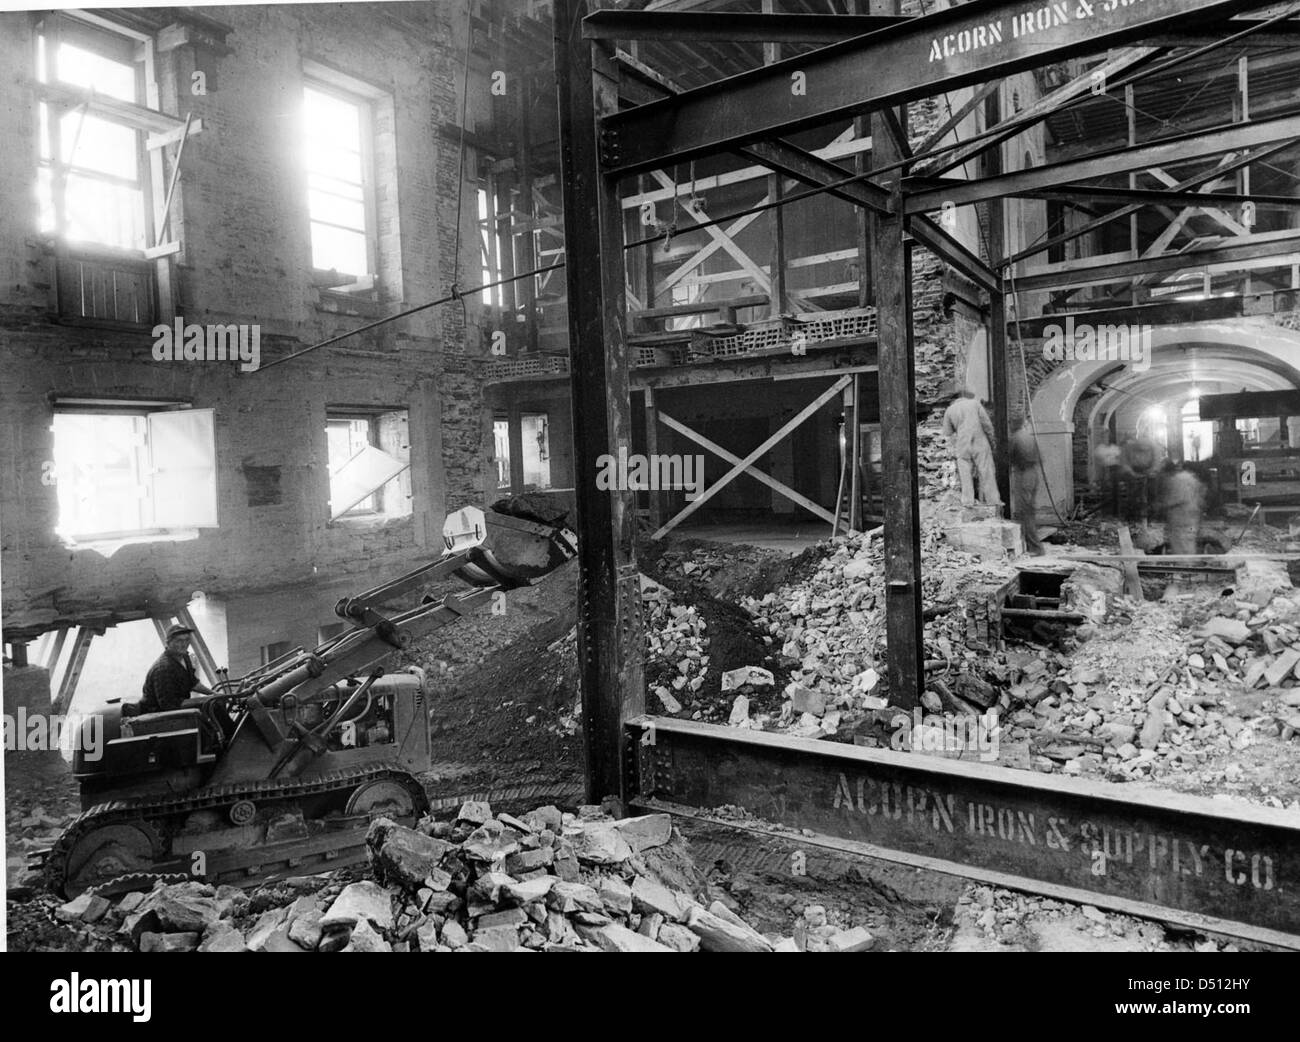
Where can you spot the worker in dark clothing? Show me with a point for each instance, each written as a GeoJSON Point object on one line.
{"type": "Point", "coordinates": [1138, 467]}
{"type": "Point", "coordinates": [172, 681]}
{"type": "Point", "coordinates": [1024, 484]}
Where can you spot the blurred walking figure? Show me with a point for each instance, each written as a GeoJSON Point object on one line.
{"type": "Point", "coordinates": [1108, 467]}
{"type": "Point", "coordinates": [1183, 500]}
{"type": "Point", "coordinates": [969, 431]}
{"type": "Point", "coordinates": [1024, 483]}
{"type": "Point", "coordinates": [1138, 468]}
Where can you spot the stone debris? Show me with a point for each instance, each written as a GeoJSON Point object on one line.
{"type": "Point", "coordinates": [1015, 921]}
{"type": "Point", "coordinates": [754, 676]}
{"type": "Point", "coordinates": [677, 659]}
{"type": "Point", "coordinates": [433, 892]}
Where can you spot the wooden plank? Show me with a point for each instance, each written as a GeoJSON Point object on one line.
{"type": "Point", "coordinates": [718, 235]}
{"type": "Point", "coordinates": [1132, 581]}
{"type": "Point", "coordinates": [55, 651]}
{"type": "Point", "coordinates": [171, 184]}
{"type": "Point", "coordinates": [165, 249]}
{"type": "Point", "coordinates": [207, 664]}
{"type": "Point", "coordinates": [172, 136]}
{"type": "Point", "coordinates": [752, 471]}
{"type": "Point", "coordinates": [702, 307]}
{"type": "Point", "coordinates": [68, 685]}
{"type": "Point", "coordinates": [743, 465]}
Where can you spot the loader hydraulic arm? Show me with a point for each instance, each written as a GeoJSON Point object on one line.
{"type": "Point", "coordinates": [489, 551]}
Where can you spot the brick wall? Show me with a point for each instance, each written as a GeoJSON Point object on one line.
{"type": "Point", "coordinates": [241, 216]}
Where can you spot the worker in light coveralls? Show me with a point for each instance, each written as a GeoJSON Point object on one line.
{"type": "Point", "coordinates": [1184, 503]}
{"type": "Point", "coordinates": [969, 431]}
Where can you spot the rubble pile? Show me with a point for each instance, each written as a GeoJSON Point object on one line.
{"type": "Point", "coordinates": [29, 829]}
{"type": "Point", "coordinates": [1030, 922]}
{"type": "Point", "coordinates": [1166, 687]}
{"type": "Point", "coordinates": [677, 657]}
{"type": "Point", "coordinates": [548, 881]}
{"type": "Point", "coordinates": [830, 630]}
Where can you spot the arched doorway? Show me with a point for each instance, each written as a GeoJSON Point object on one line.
{"type": "Point", "coordinates": [1079, 405]}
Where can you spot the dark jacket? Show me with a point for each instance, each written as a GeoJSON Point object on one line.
{"type": "Point", "coordinates": [168, 683]}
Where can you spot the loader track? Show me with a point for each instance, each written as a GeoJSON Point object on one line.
{"type": "Point", "coordinates": [145, 810]}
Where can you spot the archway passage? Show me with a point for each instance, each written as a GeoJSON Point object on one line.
{"type": "Point", "coordinates": [1081, 405]}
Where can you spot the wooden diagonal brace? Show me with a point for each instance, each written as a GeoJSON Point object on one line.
{"type": "Point", "coordinates": [744, 464]}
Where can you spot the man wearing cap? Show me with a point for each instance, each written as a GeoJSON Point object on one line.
{"type": "Point", "coordinates": [172, 679]}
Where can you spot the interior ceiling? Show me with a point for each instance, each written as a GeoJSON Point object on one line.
{"type": "Point", "coordinates": [1188, 97]}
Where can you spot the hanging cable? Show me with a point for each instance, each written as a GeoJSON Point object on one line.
{"type": "Point", "coordinates": [460, 165]}
{"type": "Point", "coordinates": [455, 295]}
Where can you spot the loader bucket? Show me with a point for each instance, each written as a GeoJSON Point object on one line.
{"type": "Point", "coordinates": [509, 550]}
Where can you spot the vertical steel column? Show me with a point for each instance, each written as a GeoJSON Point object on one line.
{"type": "Point", "coordinates": [778, 304]}
{"type": "Point", "coordinates": [891, 274]}
{"type": "Point", "coordinates": [655, 497]}
{"type": "Point", "coordinates": [515, 427]}
{"type": "Point", "coordinates": [610, 641]}
{"type": "Point", "coordinates": [997, 248]}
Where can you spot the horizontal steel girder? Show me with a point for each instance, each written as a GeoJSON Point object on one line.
{"type": "Point", "coordinates": [733, 27]}
{"type": "Point", "coordinates": [813, 170]}
{"type": "Point", "coordinates": [1227, 866]}
{"type": "Point", "coordinates": [925, 195]}
{"type": "Point", "coordinates": [938, 52]}
{"type": "Point", "coordinates": [1229, 252]}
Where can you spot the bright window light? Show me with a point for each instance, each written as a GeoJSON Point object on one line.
{"type": "Point", "coordinates": [336, 183]}
{"type": "Point", "coordinates": [95, 177]}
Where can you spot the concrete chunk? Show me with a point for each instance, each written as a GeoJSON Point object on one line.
{"type": "Point", "coordinates": [184, 907]}
{"type": "Point", "coordinates": [678, 938]}
{"type": "Point", "coordinates": [649, 897]}
{"type": "Point", "coordinates": [600, 843]}
{"type": "Point", "coordinates": [531, 890]}
{"type": "Point", "coordinates": [361, 901]}
{"type": "Point", "coordinates": [222, 937]}
{"type": "Point", "coordinates": [403, 856]}
{"type": "Point", "coordinates": [169, 942]}
{"type": "Point", "coordinates": [305, 931]}
{"type": "Point", "coordinates": [565, 897]}
{"type": "Point", "coordinates": [475, 812]}
{"type": "Point", "coordinates": [267, 924]}
{"type": "Point", "coordinates": [491, 841]}
{"type": "Point", "coordinates": [858, 939]}
{"type": "Point", "coordinates": [717, 934]}
{"type": "Point", "coordinates": [616, 895]}
{"type": "Point", "coordinates": [85, 908]}
{"type": "Point", "coordinates": [1234, 631]}
{"type": "Point", "coordinates": [615, 938]}
{"type": "Point", "coordinates": [1281, 667]}
{"type": "Point", "coordinates": [365, 939]}
{"type": "Point", "coordinates": [495, 939]}
{"type": "Point", "coordinates": [646, 831]}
